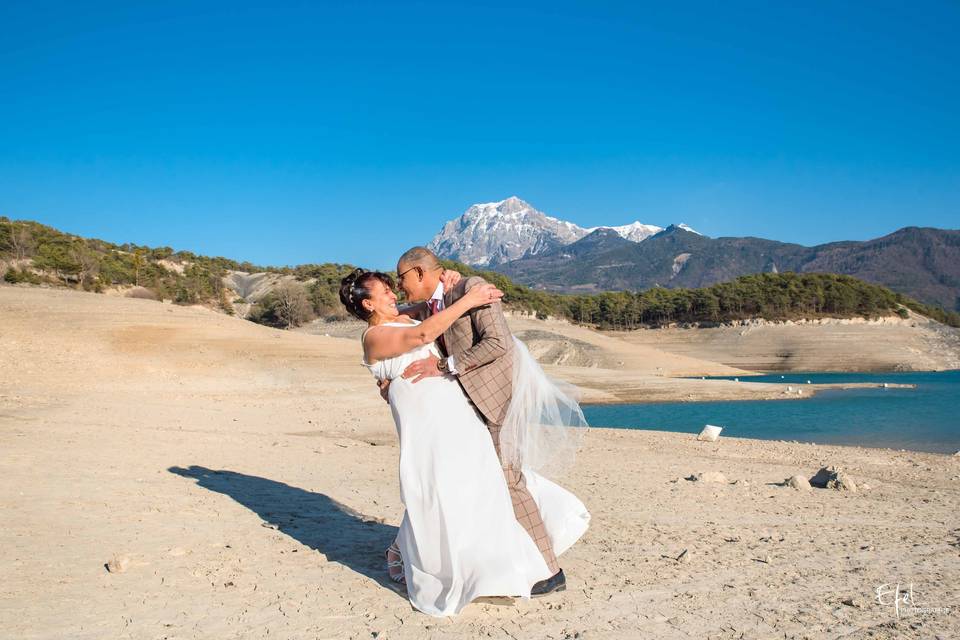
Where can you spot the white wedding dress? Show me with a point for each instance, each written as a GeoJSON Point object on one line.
{"type": "Point", "coordinates": [459, 538]}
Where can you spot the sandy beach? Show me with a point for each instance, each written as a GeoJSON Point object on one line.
{"type": "Point", "coordinates": [241, 482]}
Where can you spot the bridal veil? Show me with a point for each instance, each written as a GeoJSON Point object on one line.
{"type": "Point", "coordinates": [544, 425]}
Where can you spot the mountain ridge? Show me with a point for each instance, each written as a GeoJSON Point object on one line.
{"type": "Point", "coordinates": [35, 254]}
{"type": "Point", "coordinates": [541, 251]}
{"type": "Point", "coordinates": [922, 262]}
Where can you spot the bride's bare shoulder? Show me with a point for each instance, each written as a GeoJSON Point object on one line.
{"type": "Point", "coordinates": [374, 330]}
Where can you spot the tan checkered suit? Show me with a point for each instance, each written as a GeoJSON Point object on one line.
{"type": "Point", "coordinates": [482, 347]}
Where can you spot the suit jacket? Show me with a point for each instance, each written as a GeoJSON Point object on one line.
{"type": "Point", "coordinates": [482, 346]}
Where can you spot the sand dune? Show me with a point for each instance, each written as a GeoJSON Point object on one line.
{"type": "Point", "coordinates": [241, 482]}
{"type": "Point", "coordinates": [890, 344]}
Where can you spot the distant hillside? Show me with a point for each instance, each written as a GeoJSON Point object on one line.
{"type": "Point", "coordinates": [33, 253]}
{"type": "Point", "coordinates": [922, 263]}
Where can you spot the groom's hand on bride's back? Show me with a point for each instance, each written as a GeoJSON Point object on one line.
{"type": "Point", "coordinates": [420, 369]}
{"type": "Point", "coordinates": [384, 390]}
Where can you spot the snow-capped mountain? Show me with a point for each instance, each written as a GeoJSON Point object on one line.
{"type": "Point", "coordinates": [492, 233]}
{"type": "Point", "coordinates": [496, 232]}
{"type": "Point", "coordinates": [635, 231]}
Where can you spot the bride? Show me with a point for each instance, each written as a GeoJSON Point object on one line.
{"type": "Point", "coordinates": [459, 538]}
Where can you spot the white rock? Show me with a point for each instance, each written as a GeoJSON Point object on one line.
{"type": "Point", "coordinates": [118, 564]}
{"type": "Point", "coordinates": [710, 433]}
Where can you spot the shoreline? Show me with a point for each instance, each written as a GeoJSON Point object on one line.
{"type": "Point", "coordinates": [776, 372]}
{"type": "Point", "coordinates": [600, 386]}
{"type": "Point", "coordinates": [815, 389]}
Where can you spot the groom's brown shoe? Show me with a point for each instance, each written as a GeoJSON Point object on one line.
{"type": "Point", "coordinates": [553, 584]}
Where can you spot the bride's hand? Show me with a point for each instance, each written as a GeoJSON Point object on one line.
{"type": "Point", "coordinates": [483, 294]}
{"type": "Point", "coordinates": [450, 278]}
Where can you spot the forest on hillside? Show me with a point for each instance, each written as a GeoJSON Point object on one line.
{"type": "Point", "coordinates": [38, 254]}
{"type": "Point", "coordinates": [770, 296]}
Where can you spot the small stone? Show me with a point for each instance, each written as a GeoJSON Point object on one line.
{"type": "Point", "coordinates": [118, 564]}
{"type": "Point", "coordinates": [708, 476]}
{"type": "Point", "coordinates": [798, 482]}
{"type": "Point", "coordinates": [843, 483]}
{"type": "Point", "coordinates": [853, 602]}
{"type": "Point", "coordinates": [833, 478]}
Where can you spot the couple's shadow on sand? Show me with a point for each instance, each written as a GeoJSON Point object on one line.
{"type": "Point", "coordinates": [316, 520]}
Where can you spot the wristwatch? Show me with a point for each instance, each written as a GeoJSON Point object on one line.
{"type": "Point", "coordinates": [443, 366]}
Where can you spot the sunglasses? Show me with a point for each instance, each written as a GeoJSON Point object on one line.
{"type": "Point", "coordinates": [419, 271]}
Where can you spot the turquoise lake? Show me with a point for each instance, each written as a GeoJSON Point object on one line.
{"type": "Point", "coordinates": [926, 418]}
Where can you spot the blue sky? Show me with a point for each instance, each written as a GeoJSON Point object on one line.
{"type": "Point", "coordinates": [312, 132]}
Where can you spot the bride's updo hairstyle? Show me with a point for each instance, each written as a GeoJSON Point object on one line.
{"type": "Point", "coordinates": [355, 288]}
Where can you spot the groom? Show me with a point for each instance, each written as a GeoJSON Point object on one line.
{"type": "Point", "coordinates": [478, 350]}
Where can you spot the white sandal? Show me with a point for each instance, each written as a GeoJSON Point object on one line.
{"type": "Point", "coordinates": [395, 564]}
